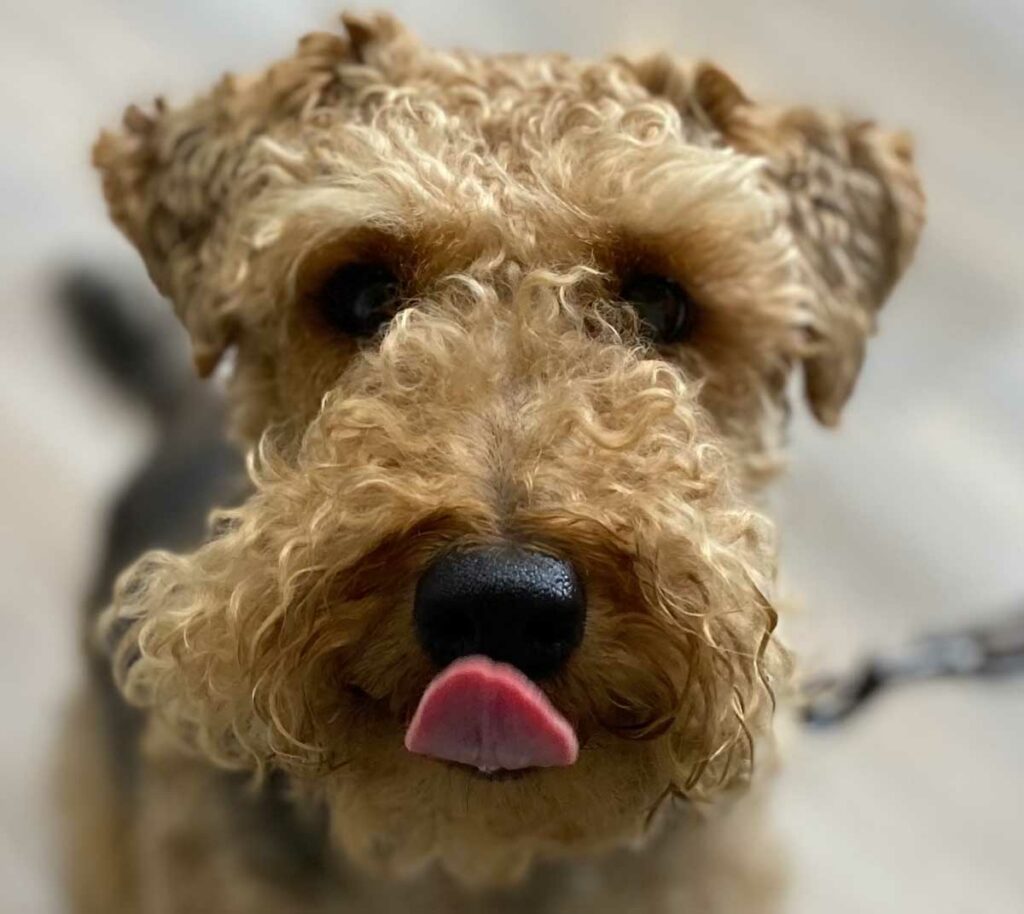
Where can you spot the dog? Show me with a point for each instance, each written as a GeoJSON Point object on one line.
{"type": "Point", "coordinates": [509, 340]}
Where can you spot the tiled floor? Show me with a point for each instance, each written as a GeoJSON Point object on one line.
{"type": "Point", "coordinates": [911, 517]}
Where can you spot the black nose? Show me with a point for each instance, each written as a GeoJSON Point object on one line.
{"type": "Point", "coordinates": [510, 604]}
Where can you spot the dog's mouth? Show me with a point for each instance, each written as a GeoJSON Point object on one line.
{"type": "Point", "coordinates": [490, 717]}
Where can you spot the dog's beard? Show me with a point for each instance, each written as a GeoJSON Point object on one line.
{"type": "Point", "coordinates": [395, 813]}
{"type": "Point", "coordinates": [286, 641]}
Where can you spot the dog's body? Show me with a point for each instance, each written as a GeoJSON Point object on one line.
{"type": "Point", "coordinates": [517, 523]}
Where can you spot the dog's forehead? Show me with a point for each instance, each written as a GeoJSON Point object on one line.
{"type": "Point", "coordinates": [516, 109]}
{"type": "Point", "coordinates": [537, 149]}
{"type": "Point", "coordinates": [492, 87]}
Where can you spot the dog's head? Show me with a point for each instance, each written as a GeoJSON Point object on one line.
{"type": "Point", "coordinates": [513, 336]}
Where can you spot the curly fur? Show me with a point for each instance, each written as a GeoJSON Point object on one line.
{"type": "Point", "coordinates": [512, 398]}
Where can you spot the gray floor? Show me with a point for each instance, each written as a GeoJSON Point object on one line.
{"type": "Point", "coordinates": [911, 517]}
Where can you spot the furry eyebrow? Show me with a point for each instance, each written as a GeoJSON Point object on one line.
{"type": "Point", "coordinates": [319, 213]}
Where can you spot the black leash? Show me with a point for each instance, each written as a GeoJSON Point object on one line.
{"type": "Point", "coordinates": [995, 649]}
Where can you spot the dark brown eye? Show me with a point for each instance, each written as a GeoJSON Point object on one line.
{"type": "Point", "coordinates": [359, 298]}
{"type": "Point", "coordinates": [664, 307]}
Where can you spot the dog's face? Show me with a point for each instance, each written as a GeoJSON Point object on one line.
{"type": "Point", "coordinates": [513, 335]}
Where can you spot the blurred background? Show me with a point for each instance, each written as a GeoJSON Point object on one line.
{"type": "Point", "coordinates": [910, 518]}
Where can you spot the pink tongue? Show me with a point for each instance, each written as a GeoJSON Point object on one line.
{"type": "Point", "coordinates": [489, 715]}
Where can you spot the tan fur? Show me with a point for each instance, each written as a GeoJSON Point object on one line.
{"type": "Point", "coordinates": [96, 829]}
{"type": "Point", "coordinates": [512, 398]}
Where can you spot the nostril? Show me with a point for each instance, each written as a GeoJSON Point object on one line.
{"type": "Point", "coordinates": [510, 604]}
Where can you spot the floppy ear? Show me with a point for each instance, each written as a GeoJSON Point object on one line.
{"type": "Point", "coordinates": [852, 199]}
{"type": "Point", "coordinates": [172, 177]}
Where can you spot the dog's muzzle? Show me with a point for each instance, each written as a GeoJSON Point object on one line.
{"type": "Point", "coordinates": [494, 619]}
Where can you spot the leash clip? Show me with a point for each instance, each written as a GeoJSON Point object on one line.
{"type": "Point", "coordinates": [991, 650]}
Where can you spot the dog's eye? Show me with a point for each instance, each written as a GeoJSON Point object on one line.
{"type": "Point", "coordinates": [358, 298]}
{"type": "Point", "coordinates": [664, 307]}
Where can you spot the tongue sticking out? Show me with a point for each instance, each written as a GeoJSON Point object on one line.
{"type": "Point", "coordinates": [489, 715]}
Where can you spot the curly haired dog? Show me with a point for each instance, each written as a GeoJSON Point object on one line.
{"type": "Point", "coordinates": [491, 628]}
